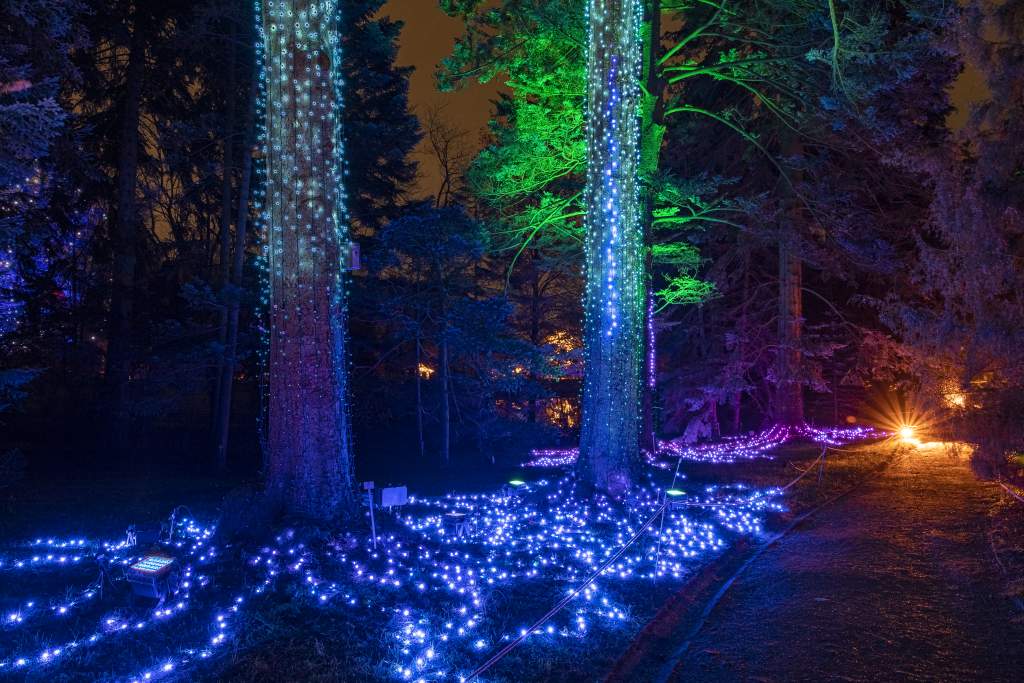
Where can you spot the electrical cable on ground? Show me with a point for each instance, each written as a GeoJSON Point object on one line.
{"type": "Point", "coordinates": [564, 601]}
{"type": "Point", "coordinates": [500, 654]}
{"type": "Point", "coordinates": [1011, 491]}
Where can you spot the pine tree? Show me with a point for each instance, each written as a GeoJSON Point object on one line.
{"type": "Point", "coordinates": [380, 130]}
{"type": "Point", "coordinates": [741, 109]}
{"type": "Point", "coordinates": [36, 40]}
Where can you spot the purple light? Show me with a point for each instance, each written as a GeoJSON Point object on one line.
{"type": "Point", "coordinates": [727, 450]}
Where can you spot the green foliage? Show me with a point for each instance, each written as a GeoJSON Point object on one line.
{"type": "Point", "coordinates": [683, 289]}
{"type": "Point", "coordinates": [537, 135]}
{"type": "Point", "coordinates": [681, 261]}
{"type": "Point", "coordinates": [678, 254]}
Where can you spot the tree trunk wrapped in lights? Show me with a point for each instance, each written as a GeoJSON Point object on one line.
{"type": "Point", "coordinates": [614, 300]}
{"type": "Point", "coordinates": [309, 466]}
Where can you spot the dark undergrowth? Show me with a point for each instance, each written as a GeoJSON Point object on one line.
{"type": "Point", "coordinates": [1006, 534]}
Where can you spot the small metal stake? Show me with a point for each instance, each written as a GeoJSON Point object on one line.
{"type": "Point", "coordinates": [368, 485]}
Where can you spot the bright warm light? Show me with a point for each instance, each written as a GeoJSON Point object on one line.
{"type": "Point", "coordinates": [956, 400]}
{"type": "Point", "coordinates": [562, 341]}
{"type": "Point", "coordinates": [426, 372]}
{"type": "Point", "coordinates": [562, 412]}
{"type": "Point", "coordinates": [906, 433]}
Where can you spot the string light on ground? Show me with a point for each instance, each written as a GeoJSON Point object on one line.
{"type": "Point", "coordinates": [727, 450]}
{"type": "Point", "coordinates": [438, 585]}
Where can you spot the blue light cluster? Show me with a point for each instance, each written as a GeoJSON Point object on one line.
{"type": "Point", "coordinates": [194, 543]}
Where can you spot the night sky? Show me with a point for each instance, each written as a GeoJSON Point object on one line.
{"type": "Point", "coordinates": [427, 38]}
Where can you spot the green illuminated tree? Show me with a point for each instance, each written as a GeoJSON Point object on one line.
{"type": "Point", "coordinates": [720, 80]}
{"type": "Point", "coordinates": [533, 174]}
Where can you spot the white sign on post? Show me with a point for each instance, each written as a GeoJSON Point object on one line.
{"type": "Point", "coordinates": [395, 495]}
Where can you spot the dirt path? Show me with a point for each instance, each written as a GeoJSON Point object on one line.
{"type": "Point", "coordinates": [893, 583]}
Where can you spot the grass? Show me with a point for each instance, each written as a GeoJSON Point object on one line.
{"type": "Point", "coordinates": [1006, 535]}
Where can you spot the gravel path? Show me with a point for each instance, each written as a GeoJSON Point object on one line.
{"type": "Point", "coordinates": [895, 582]}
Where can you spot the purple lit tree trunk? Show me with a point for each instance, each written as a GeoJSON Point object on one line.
{"type": "Point", "coordinates": [310, 451]}
{"type": "Point", "coordinates": [789, 401]}
{"type": "Point", "coordinates": [614, 299]}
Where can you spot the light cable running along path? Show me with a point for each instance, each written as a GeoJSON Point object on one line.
{"type": "Point", "coordinates": [894, 582]}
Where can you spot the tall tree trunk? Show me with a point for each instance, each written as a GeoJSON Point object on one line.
{"type": "Point", "coordinates": [310, 470]}
{"type": "Point", "coordinates": [741, 347]}
{"type": "Point", "coordinates": [227, 376]}
{"type": "Point", "coordinates": [650, 384]}
{"type": "Point", "coordinates": [125, 237]}
{"type": "Point", "coordinates": [419, 398]}
{"type": "Point", "coordinates": [227, 164]}
{"type": "Point", "coordinates": [614, 300]}
{"type": "Point", "coordinates": [652, 133]}
{"type": "Point", "coordinates": [446, 408]}
{"type": "Point", "coordinates": [535, 308]}
{"type": "Point", "coordinates": [737, 411]}
{"type": "Point", "coordinates": [789, 403]}
{"type": "Point", "coordinates": [835, 394]}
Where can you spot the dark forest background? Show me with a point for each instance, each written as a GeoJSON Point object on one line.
{"type": "Point", "coordinates": [820, 226]}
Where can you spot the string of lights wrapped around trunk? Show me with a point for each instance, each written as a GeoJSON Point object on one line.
{"type": "Point", "coordinates": [306, 244]}
{"type": "Point", "coordinates": [614, 298]}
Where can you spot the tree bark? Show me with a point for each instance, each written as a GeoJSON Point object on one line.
{"type": "Point", "coordinates": [652, 133]}
{"type": "Point", "coordinates": [310, 471]}
{"type": "Point", "coordinates": [227, 377]}
{"type": "Point", "coordinates": [220, 461]}
{"type": "Point", "coordinates": [741, 347]}
{"type": "Point", "coordinates": [789, 403]}
{"type": "Point", "coordinates": [419, 398]}
{"type": "Point", "coordinates": [446, 408]}
{"type": "Point", "coordinates": [535, 314]}
{"type": "Point", "coordinates": [614, 300]}
{"type": "Point", "coordinates": [118, 370]}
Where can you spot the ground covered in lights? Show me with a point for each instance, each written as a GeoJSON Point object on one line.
{"type": "Point", "coordinates": [453, 581]}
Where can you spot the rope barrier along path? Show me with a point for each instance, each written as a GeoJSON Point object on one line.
{"type": "Point", "coordinates": [1011, 492]}
{"type": "Point", "coordinates": [497, 656]}
{"type": "Point", "coordinates": [1018, 603]}
{"type": "Point", "coordinates": [808, 469]}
